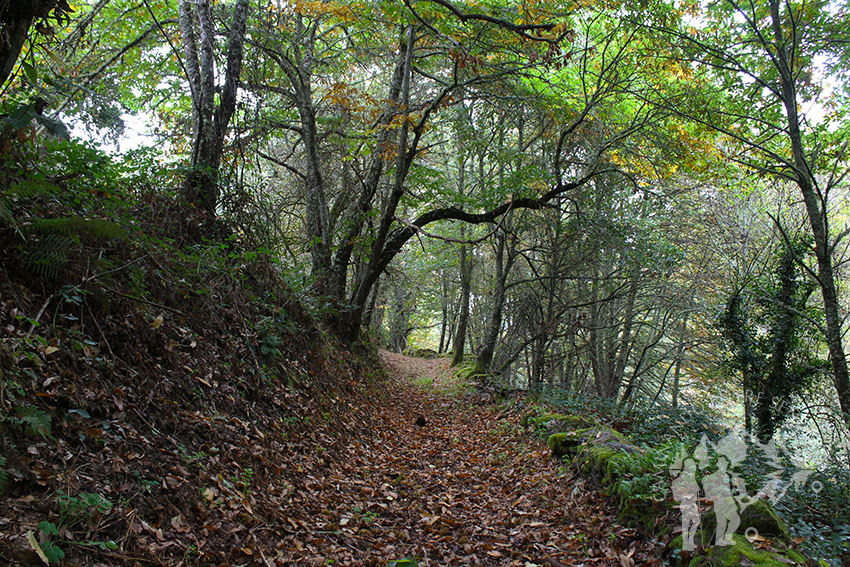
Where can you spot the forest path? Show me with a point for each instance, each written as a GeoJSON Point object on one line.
{"type": "Point", "coordinates": [469, 487]}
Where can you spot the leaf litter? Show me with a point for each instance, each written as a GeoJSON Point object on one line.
{"type": "Point", "coordinates": [348, 475]}
{"type": "Point", "coordinates": [468, 488]}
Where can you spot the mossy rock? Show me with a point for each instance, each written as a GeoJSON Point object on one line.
{"type": "Point", "coordinates": [603, 447]}
{"type": "Point", "coordinates": [549, 423]}
{"type": "Point", "coordinates": [743, 553]}
{"type": "Point", "coordinates": [763, 517]}
{"type": "Point", "coordinates": [422, 352]}
{"type": "Point", "coordinates": [596, 444]}
{"type": "Point", "coordinates": [599, 460]}
{"type": "Point", "coordinates": [566, 444]}
{"type": "Point", "coordinates": [760, 515]}
{"type": "Point", "coordinates": [606, 437]}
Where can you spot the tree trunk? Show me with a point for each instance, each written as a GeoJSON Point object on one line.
{"type": "Point", "coordinates": [16, 17]}
{"type": "Point", "coordinates": [683, 330]}
{"type": "Point", "coordinates": [463, 317]}
{"type": "Point", "coordinates": [444, 308]}
{"type": "Point", "coordinates": [200, 188]}
{"type": "Point", "coordinates": [373, 299]}
{"type": "Point", "coordinates": [817, 213]}
{"type": "Point", "coordinates": [494, 325]}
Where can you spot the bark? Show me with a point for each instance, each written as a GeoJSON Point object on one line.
{"type": "Point", "coordinates": [683, 330]}
{"type": "Point", "coordinates": [494, 325]}
{"type": "Point", "coordinates": [200, 188]}
{"type": "Point", "coordinates": [370, 311]}
{"type": "Point", "coordinates": [400, 235]}
{"type": "Point", "coordinates": [16, 18]}
{"type": "Point", "coordinates": [463, 317]}
{"type": "Point", "coordinates": [817, 213]}
{"type": "Point", "coordinates": [444, 307]}
{"type": "Point", "coordinates": [399, 327]}
{"type": "Point", "coordinates": [400, 81]}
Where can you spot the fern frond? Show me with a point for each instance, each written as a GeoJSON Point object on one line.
{"type": "Point", "coordinates": [7, 219]}
{"type": "Point", "coordinates": [4, 476]}
{"type": "Point", "coordinates": [47, 255]}
{"type": "Point", "coordinates": [37, 421]}
{"type": "Point", "coordinates": [32, 189]}
{"type": "Point", "coordinates": [77, 226]}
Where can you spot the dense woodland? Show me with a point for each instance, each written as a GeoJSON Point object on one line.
{"type": "Point", "coordinates": [638, 207]}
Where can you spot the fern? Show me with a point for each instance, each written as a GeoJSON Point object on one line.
{"type": "Point", "coordinates": [77, 226]}
{"type": "Point", "coordinates": [32, 189]}
{"type": "Point", "coordinates": [35, 420]}
{"type": "Point", "coordinates": [28, 190]}
{"type": "Point", "coordinates": [47, 255]}
{"type": "Point", "coordinates": [50, 240]}
{"type": "Point", "coordinates": [7, 219]}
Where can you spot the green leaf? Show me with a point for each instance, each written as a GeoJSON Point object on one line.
{"type": "Point", "coordinates": [30, 71]}
{"type": "Point", "coordinates": [55, 127]}
{"type": "Point", "coordinates": [48, 528]}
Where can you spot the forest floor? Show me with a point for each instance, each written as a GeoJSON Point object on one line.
{"type": "Point", "coordinates": [370, 469]}
{"type": "Point", "coordinates": [467, 487]}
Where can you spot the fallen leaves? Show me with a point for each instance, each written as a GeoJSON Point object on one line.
{"type": "Point", "coordinates": [460, 491]}
{"type": "Point", "coordinates": [357, 479]}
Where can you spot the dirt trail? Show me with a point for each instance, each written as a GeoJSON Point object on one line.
{"type": "Point", "coordinates": [469, 487]}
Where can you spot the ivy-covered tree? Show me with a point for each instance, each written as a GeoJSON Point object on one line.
{"type": "Point", "coordinates": [772, 338]}
{"type": "Point", "coordinates": [756, 71]}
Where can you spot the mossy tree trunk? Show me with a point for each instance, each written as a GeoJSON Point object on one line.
{"type": "Point", "coordinates": [200, 188]}
{"type": "Point", "coordinates": [463, 316]}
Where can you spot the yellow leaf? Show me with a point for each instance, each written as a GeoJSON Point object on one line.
{"type": "Point", "coordinates": [157, 323]}
{"type": "Point", "coordinates": [37, 548]}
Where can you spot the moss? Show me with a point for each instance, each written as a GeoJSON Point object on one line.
{"type": "Point", "coordinates": [743, 553]}
{"type": "Point", "coordinates": [598, 460]}
{"type": "Point", "coordinates": [596, 445]}
{"type": "Point", "coordinates": [564, 444]}
{"type": "Point", "coordinates": [609, 454]}
{"type": "Point", "coordinates": [758, 514]}
{"type": "Point", "coordinates": [422, 352]}
{"type": "Point", "coordinates": [557, 423]}
{"type": "Point", "coordinates": [763, 517]}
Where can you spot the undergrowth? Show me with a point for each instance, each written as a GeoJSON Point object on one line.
{"type": "Point", "coordinates": [167, 352]}
{"type": "Point", "coordinates": [817, 511]}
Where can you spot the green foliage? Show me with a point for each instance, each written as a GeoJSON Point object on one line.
{"type": "Point", "coordinates": [4, 474]}
{"type": "Point", "coordinates": [30, 419]}
{"type": "Point", "coordinates": [242, 479]}
{"type": "Point", "coordinates": [73, 510]}
{"type": "Point", "coordinates": [22, 115]}
{"type": "Point", "coordinates": [196, 458]}
{"type": "Point", "coordinates": [271, 332]}
{"type": "Point", "coordinates": [364, 516]}
{"type": "Point", "coordinates": [771, 342]}
{"type": "Point", "coordinates": [71, 201]}
{"type": "Point", "coordinates": [821, 515]}
{"type": "Point", "coordinates": [46, 256]}
{"type": "Point", "coordinates": [645, 424]}
{"type": "Point", "coordinates": [643, 476]}
{"type": "Point", "coordinates": [79, 227]}
{"type": "Point", "coordinates": [51, 549]}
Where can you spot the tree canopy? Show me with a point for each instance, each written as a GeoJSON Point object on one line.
{"type": "Point", "coordinates": [596, 197]}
